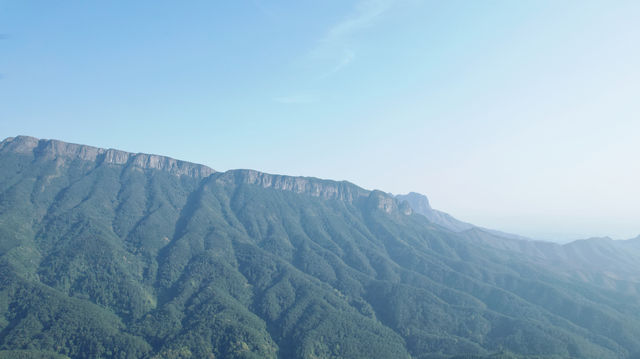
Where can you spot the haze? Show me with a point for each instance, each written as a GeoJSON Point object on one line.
{"type": "Point", "coordinates": [515, 115]}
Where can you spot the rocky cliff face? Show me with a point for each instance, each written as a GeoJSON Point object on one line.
{"type": "Point", "coordinates": [63, 151]}
{"type": "Point", "coordinates": [316, 187]}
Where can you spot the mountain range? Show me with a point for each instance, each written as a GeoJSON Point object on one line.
{"type": "Point", "coordinates": [110, 254]}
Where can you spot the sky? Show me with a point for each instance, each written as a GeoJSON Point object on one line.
{"type": "Point", "coordinates": [521, 116]}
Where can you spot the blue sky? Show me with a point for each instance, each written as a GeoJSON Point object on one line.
{"type": "Point", "coordinates": [516, 115]}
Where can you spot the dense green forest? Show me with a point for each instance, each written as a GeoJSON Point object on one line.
{"type": "Point", "coordinates": [106, 254]}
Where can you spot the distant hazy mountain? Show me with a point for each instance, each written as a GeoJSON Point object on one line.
{"type": "Point", "coordinates": [109, 254]}
{"type": "Point", "coordinates": [420, 204]}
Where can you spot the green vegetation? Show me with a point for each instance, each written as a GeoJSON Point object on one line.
{"type": "Point", "coordinates": [104, 260]}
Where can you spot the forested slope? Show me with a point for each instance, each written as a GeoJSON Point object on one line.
{"type": "Point", "coordinates": [107, 254]}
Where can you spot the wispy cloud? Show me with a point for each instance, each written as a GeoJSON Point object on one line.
{"type": "Point", "coordinates": [336, 49]}
{"type": "Point", "coordinates": [294, 99]}
{"type": "Point", "coordinates": [366, 12]}
{"type": "Point", "coordinates": [342, 60]}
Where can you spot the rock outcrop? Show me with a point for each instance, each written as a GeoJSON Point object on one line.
{"type": "Point", "coordinates": [63, 151]}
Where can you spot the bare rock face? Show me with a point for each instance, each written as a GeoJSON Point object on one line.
{"type": "Point", "coordinates": [327, 189]}
{"type": "Point", "coordinates": [20, 144]}
{"type": "Point", "coordinates": [63, 151]}
{"type": "Point", "coordinates": [312, 186]}
{"type": "Point", "coordinates": [384, 202]}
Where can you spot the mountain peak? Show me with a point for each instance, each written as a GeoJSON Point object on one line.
{"type": "Point", "coordinates": [420, 204]}
{"type": "Point", "coordinates": [419, 201]}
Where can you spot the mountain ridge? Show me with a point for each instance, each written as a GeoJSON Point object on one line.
{"type": "Point", "coordinates": [299, 184]}
{"type": "Point", "coordinates": [64, 150]}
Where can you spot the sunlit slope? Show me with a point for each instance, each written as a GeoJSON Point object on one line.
{"type": "Point", "coordinates": [109, 254]}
